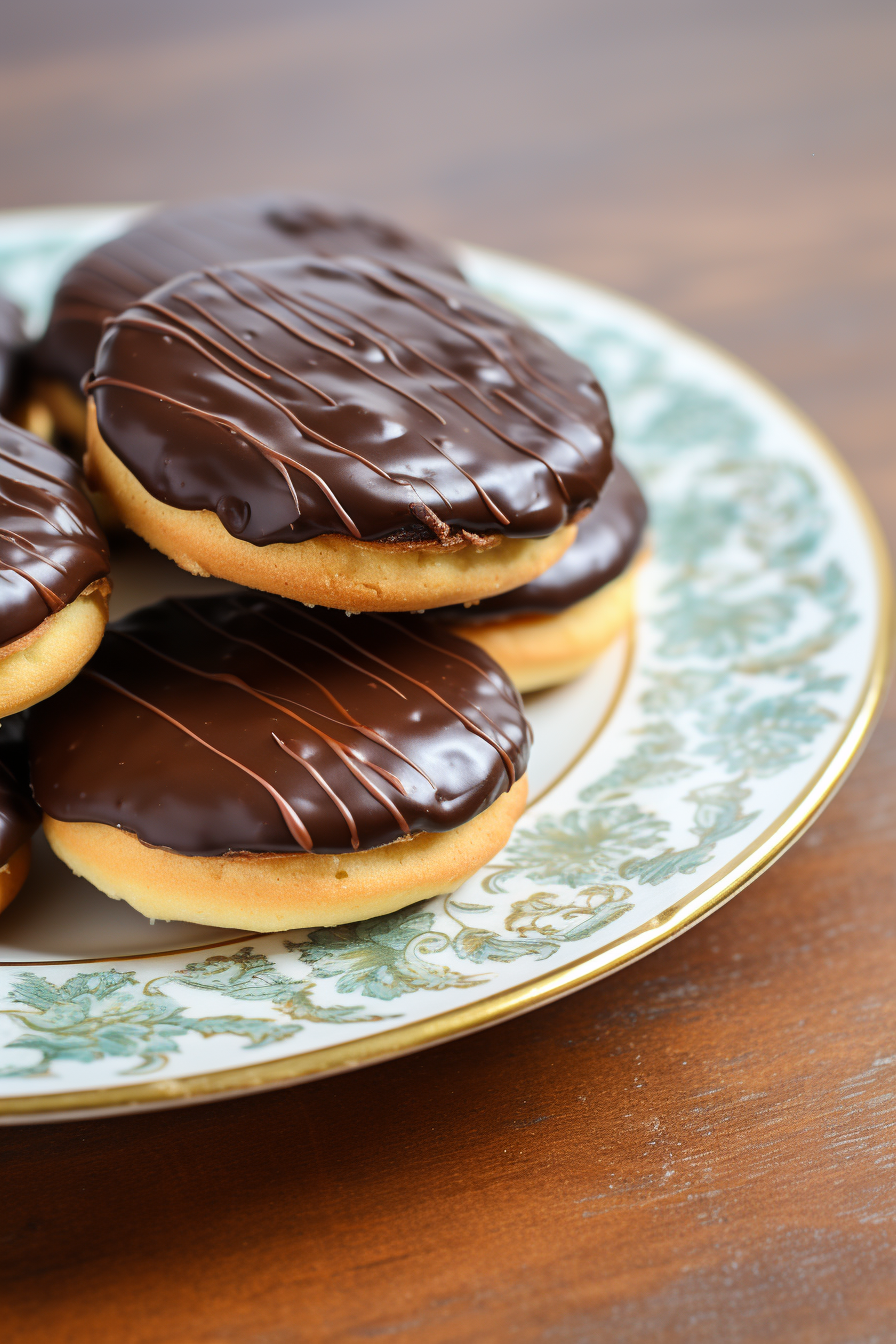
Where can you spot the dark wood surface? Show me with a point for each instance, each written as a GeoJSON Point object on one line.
{"type": "Point", "coordinates": [702, 1147]}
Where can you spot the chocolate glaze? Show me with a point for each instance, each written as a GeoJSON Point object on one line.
{"type": "Point", "coordinates": [12, 344]}
{"type": "Point", "coordinates": [210, 233]}
{"type": "Point", "coordinates": [306, 397]}
{"type": "Point", "coordinates": [607, 539]}
{"type": "Point", "coordinates": [247, 723]}
{"type": "Point", "coordinates": [19, 816]}
{"type": "Point", "coordinates": [51, 547]}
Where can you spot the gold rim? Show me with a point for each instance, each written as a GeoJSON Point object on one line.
{"type": "Point", "coordinates": [714, 892]}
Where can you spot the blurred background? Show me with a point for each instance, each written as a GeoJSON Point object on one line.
{"type": "Point", "coordinates": [733, 163]}
{"type": "Point", "coordinates": [730, 161]}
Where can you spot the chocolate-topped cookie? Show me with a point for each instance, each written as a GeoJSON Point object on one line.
{"type": "Point", "coordinates": [607, 541]}
{"type": "Point", "coordinates": [242, 761]}
{"type": "Point", "coordinates": [551, 629]}
{"type": "Point", "coordinates": [176, 239]}
{"type": "Point", "coordinates": [53, 566]}
{"type": "Point", "coordinates": [344, 432]}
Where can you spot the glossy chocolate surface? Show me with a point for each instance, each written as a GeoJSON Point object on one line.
{"type": "Point", "coordinates": [19, 815]}
{"type": "Point", "coordinates": [184, 238]}
{"type": "Point", "coordinates": [247, 723]}
{"type": "Point", "coordinates": [305, 397]}
{"type": "Point", "coordinates": [51, 547]}
{"type": "Point", "coordinates": [12, 342]}
{"type": "Point", "coordinates": [607, 539]}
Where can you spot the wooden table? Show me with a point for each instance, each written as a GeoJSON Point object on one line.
{"type": "Point", "coordinates": [702, 1147]}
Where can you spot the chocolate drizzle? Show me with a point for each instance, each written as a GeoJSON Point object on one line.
{"type": "Point", "coordinates": [606, 542]}
{"type": "Point", "coordinates": [172, 241]}
{"type": "Point", "coordinates": [247, 723]}
{"type": "Point", "coordinates": [304, 397]}
{"type": "Point", "coordinates": [51, 547]}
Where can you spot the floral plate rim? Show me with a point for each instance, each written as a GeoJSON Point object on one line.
{"type": "Point", "coordinates": [693, 906]}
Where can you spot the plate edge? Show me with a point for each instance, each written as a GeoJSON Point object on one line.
{"type": "Point", "coordinates": [746, 867]}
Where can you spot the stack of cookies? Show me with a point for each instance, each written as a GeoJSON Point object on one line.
{"type": "Point", "coordinates": [415, 494]}
{"type": "Point", "coordinates": [54, 589]}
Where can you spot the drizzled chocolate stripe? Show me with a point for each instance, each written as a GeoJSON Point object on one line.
{"type": "Point", "coordinates": [279, 296]}
{"type": "Point", "coordinates": [339, 372]}
{"type": "Point", "coordinates": [249, 724]}
{"type": "Point", "coordinates": [16, 539]}
{"type": "Point", "coordinates": [293, 821]}
{"type": "Point", "coordinates": [222, 327]}
{"type": "Point", "coordinates": [482, 493]}
{"type": "Point", "coordinates": [303, 672]}
{"type": "Point", "coordinates": [51, 548]}
{"type": "Point", "coordinates": [277, 459]}
{"type": "Point", "coordinates": [173, 241]}
{"type": "Point", "coordinates": [331, 793]}
{"type": "Point", "coordinates": [606, 542]}
{"type": "Point", "coordinates": [52, 602]}
{"type": "Point", "coordinates": [192, 341]}
{"type": "Point", "coordinates": [426, 690]}
{"type": "Point", "coordinates": [227, 678]}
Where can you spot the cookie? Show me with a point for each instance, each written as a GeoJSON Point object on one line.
{"type": "Point", "coordinates": [54, 564]}
{"type": "Point", "coordinates": [176, 239]}
{"type": "Point", "coordinates": [552, 629]}
{"type": "Point", "coordinates": [19, 817]}
{"type": "Point", "coordinates": [345, 433]}
{"type": "Point", "coordinates": [241, 761]}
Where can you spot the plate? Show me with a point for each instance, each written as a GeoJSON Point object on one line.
{"type": "Point", "coordinates": [663, 781]}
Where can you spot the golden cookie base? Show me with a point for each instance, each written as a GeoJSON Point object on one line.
{"type": "Point", "coordinates": [13, 873]}
{"type": "Point", "coordinates": [268, 893]}
{"type": "Point", "coordinates": [541, 651]}
{"type": "Point", "coordinates": [328, 571]}
{"type": "Point", "coordinates": [48, 657]}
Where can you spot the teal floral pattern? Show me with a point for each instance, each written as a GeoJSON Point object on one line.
{"type": "Point", "coordinates": [572, 849]}
{"type": "Point", "coordinates": [382, 958]}
{"type": "Point", "coordinates": [253, 977]}
{"type": "Point", "coordinates": [90, 1017]}
{"type": "Point", "coordinates": [748, 604]}
{"type": "Point", "coordinates": [756, 623]}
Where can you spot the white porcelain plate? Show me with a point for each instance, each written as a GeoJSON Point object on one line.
{"type": "Point", "coordinates": [664, 780]}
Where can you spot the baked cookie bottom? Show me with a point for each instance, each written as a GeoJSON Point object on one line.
{"type": "Point", "coordinates": [13, 873]}
{"type": "Point", "coordinates": [541, 651]}
{"type": "Point", "coordinates": [40, 663]}
{"type": "Point", "coordinates": [328, 571]}
{"type": "Point", "coordinates": [36, 417]}
{"type": "Point", "coordinates": [269, 893]}
{"type": "Point", "coordinates": [67, 410]}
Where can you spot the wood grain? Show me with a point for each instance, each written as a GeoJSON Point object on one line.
{"type": "Point", "coordinates": [701, 1148]}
